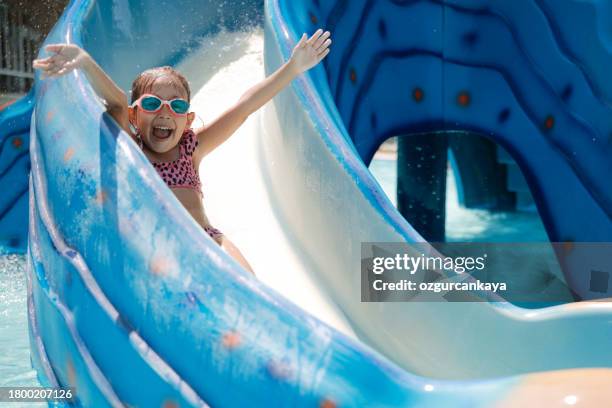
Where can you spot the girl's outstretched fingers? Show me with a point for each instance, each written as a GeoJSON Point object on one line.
{"type": "Point", "coordinates": [308, 52]}
{"type": "Point", "coordinates": [65, 58]}
{"type": "Point", "coordinates": [323, 54]}
{"type": "Point", "coordinates": [313, 39]}
{"type": "Point", "coordinates": [319, 42]}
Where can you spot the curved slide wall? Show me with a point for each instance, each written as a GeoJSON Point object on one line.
{"type": "Point", "coordinates": [329, 200]}
{"type": "Point", "coordinates": [513, 72]}
{"type": "Point", "coordinates": [131, 303]}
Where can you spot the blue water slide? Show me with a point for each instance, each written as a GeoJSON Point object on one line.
{"type": "Point", "coordinates": [132, 304]}
{"type": "Point", "coordinates": [129, 301]}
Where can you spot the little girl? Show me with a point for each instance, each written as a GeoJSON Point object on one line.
{"type": "Point", "coordinates": [159, 120]}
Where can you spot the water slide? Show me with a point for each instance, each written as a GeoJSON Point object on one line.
{"type": "Point", "coordinates": [131, 303]}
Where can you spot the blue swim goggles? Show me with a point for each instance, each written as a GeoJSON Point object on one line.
{"type": "Point", "coordinates": [152, 104]}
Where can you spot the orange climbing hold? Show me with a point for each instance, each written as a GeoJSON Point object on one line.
{"type": "Point", "coordinates": [170, 404]}
{"type": "Point", "coordinates": [68, 154]}
{"type": "Point", "coordinates": [17, 142]}
{"type": "Point", "coordinates": [549, 123]}
{"type": "Point", "coordinates": [231, 340]}
{"type": "Point", "coordinates": [70, 372]}
{"type": "Point", "coordinates": [313, 19]}
{"type": "Point", "coordinates": [160, 266]}
{"type": "Point", "coordinates": [353, 75]}
{"type": "Point", "coordinates": [418, 94]}
{"type": "Point", "coordinates": [463, 99]}
{"type": "Point", "coordinates": [327, 403]}
{"type": "Point", "coordinates": [49, 116]}
{"type": "Point", "coordinates": [101, 197]}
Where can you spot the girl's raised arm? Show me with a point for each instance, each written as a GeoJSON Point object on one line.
{"type": "Point", "coordinates": [307, 53]}
{"type": "Point", "coordinates": [67, 57]}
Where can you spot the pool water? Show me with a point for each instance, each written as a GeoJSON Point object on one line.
{"type": "Point", "coordinates": [468, 225]}
{"type": "Point", "coordinates": [15, 368]}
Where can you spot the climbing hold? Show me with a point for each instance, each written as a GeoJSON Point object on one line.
{"type": "Point", "coordinates": [159, 266]}
{"type": "Point", "coordinates": [463, 99]}
{"type": "Point", "coordinates": [327, 403]}
{"type": "Point", "coordinates": [549, 123]}
{"type": "Point", "coordinates": [68, 154]}
{"type": "Point", "coordinates": [49, 116]}
{"type": "Point", "coordinates": [231, 340]}
{"type": "Point", "coordinates": [313, 19]}
{"type": "Point", "coordinates": [353, 75]}
{"type": "Point", "coordinates": [70, 372]}
{"type": "Point", "coordinates": [17, 142]}
{"type": "Point", "coordinates": [170, 404]}
{"type": "Point", "coordinates": [101, 197]}
{"type": "Point", "coordinates": [418, 94]}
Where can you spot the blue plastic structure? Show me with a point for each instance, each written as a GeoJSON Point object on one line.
{"type": "Point", "coordinates": [14, 169]}
{"type": "Point", "coordinates": [134, 305]}
{"type": "Point", "coordinates": [515, 72]}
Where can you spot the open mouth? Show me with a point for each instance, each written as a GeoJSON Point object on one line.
{"type": "Point", "coordinates": [162, 132]}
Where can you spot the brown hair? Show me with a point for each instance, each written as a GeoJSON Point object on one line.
{"type": "Point", "coordinates": [144, 81]}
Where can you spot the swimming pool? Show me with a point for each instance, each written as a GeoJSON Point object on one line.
{"type": "Point", "coordinates": [469, 225]}
{"type": "Point", "coordinates": [15, 368]}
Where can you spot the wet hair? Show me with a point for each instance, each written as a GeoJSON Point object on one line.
{"type": "Point", "coordinates": [144, 81]}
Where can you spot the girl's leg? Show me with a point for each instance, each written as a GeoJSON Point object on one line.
{"type": "Point", "coordinates": [235, 253]}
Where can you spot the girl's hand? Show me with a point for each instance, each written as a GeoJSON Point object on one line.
{"type": "Point", "coordinates": [65, 58]}
{"type": "Point", "coordinates": [309, 51]}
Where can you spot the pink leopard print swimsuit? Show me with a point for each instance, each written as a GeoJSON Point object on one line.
{"type": "Point", "coordinates": [180, 173]}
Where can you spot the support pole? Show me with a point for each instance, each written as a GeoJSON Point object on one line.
{"type": "Point", "coordinates": [421, 183]}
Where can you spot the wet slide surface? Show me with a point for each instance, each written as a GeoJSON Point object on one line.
{"type": "Point", "coordinates": [235, 193]}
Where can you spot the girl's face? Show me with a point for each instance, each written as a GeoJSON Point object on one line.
{"type": "Point", "coordinates": [162, 130]}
